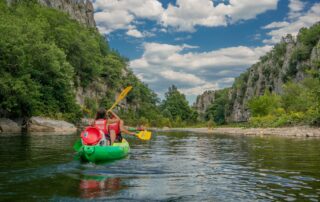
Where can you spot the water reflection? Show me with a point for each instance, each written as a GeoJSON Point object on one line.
{"type": "Point", "coordinates": [96, 186]}
{"type": "Point", "coordinates": [172, 166]}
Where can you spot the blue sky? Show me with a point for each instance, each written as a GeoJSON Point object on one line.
{"type": "Point", "coordinates": [198, 45]}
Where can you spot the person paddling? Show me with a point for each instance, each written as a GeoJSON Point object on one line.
{"type": "Point", "coordinates": [115, 127]}
{"type": "Point", "coordinates": [101, 122]}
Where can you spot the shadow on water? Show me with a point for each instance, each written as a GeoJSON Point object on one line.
{"type": "Point", "coordinates": [171, 167]}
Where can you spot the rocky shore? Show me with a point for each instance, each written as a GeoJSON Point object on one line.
{"type": "Point", "coordinates": [37, 125]}
{"type": "Point", "coordinates": [297, 131]}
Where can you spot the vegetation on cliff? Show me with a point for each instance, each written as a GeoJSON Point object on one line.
{"type": "Point", "coordinates": [281, 89]}
{"type": "Point", "coordinates": [299, 104]}
{"type": "Point", "coordinates": [45, 57]}
{"type": "Point", "coordinates": [300, 101]}
{"type": "Point", "coordinates": [216, 111]}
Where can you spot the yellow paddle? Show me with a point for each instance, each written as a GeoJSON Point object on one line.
{"type": "Point", "coordinates": [144, 135]}
{"type": "Point", "coordinates": [121, 96]}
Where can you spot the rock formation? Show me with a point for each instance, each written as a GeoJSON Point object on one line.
{"type": "Point", "coordinates": [41, 124]}
{"type": "Point", "coordinates": [9, 126]}
{"type": "Point", "coordinates": [273, 70]}
{"type": "Point", "coordinates": [203, 102]}
{"type": "Point", "coordinates": [289, 60]}
{"type": "Point", "coordinates": [80, 10]}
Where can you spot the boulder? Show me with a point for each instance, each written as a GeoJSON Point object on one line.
{"type": "Point", "coordinates": [41, 124]}
{"type": "Point", "coordinates": [9, 126]}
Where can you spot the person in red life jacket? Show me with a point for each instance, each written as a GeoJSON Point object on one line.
{"type": "Point", "coordinates": [101, 122]}
{"type": "Point", "coordinates": [115, 127]}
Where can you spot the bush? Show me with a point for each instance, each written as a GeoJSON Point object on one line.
{"type": "Point", "coordinates": [217, 110]}
{"type": "Point", "coordinates": [264, 105]}
{"type": "Point", "coordinates": [299, 104]}
{"type": "Point", "coordinates": [263, 121]}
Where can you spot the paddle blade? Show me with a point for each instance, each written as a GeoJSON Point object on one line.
{"type": "Point", "coordinates": [121, 96]}
{"type": "Point", "coordinates": [77, 145]}
{"type": "Point", "coordinates": [144, 135]}
{"type": "Point", "coordinates": [124, 93]}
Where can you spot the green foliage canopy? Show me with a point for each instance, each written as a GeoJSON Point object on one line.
{"type": "Point", "coordinates": [175, 106]}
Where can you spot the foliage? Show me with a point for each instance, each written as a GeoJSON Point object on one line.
{"type": "Point", "coordinates": [299, 104]}
{"type": "Point", "coordinates": [307, 39]}
{"type": "Point", "coordinates": [36, 77]}
{"type": "Point", "coordinates": [263, 105]}
{"type": "Point", "coordinates": [45, 56]}
{"type": "Point", "coordinates": [309, 36]}
{"type": "Point", "coordinates": [216, 111]}
{"type": "Point", "coordinates": [176, 108]}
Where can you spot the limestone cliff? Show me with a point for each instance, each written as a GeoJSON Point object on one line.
{"type": "Point", "coordinates": [289, 60]}
{"type": "Point", "coordinates": [80, 10]}
{"type": "Point", "coordinates": [203, 102]}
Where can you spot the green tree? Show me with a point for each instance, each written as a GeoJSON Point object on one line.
{"type": "Point", "coordinates": [264, 105]}
{"type": "Point", "coordinates": [217, 110]}
{"type": "Point", "coordinates": [176, 105]}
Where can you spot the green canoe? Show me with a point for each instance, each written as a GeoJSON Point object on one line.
{"type": "Point", "coordinates": [103, 153]}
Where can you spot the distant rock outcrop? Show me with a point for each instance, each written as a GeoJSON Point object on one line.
{"type": "Point", "coordinates": [203, 102]}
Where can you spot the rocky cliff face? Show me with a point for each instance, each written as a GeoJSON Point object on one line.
{"type": "Point", "coordinates": [204, 101]}
{"type": "Point", "coordinates": [290, 60]}
{"type": "Point", "coordinates": [287, 61]}
{"type": "Point", "coordinates": [80, 10]}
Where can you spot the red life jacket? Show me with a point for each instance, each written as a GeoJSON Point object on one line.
{"type": "Point", "coordinates": [101, 124]}
{"type": "Point", "coordinates": [116, 127]}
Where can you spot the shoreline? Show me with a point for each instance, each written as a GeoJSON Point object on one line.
{"type": "Point", "coordinates": [295, 131]}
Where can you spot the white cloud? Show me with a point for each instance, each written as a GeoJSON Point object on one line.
{"type": "Point", "coordinates": [228, 80]}
{"type": "Point", "coordinates": [134, 33]}
{"type": "Point", "coordinates": [183, 38]}
{"type": "Point", "coordinates": [187, 14]}
{"type": "Point", "coordinates": [197, 90]}
{"type": "Point", "coordinates": [169, 55]}
{"type": "Point", "coordinates": [181, 77]}
{"type": "Point", "coordinates": [113, 20]}
{"type": "Point", "coordinates": [184, 15]}
{"type": "Point", "coordinates": [224, 73]}
{"type": "Point", "coordinates": [304, 19]}
{"type": "Point", "coordinates": [276, 25]}
{"type": "Point", "coordinates": [193, 72]}
{"type": "Point", "coordinates": [249, 9]}
{"type": "Point", "coordinates": [113, 15]}
{"type": "Point", "coordinates": [295, 6]}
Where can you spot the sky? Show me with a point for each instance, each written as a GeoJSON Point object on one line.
{"type": "Point", "coordinates": [198, 45]}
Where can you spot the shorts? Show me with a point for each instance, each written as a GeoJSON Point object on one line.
{"type": "Point", "coordinates": [118, 138]}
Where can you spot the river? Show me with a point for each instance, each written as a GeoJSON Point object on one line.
{"type": "Point", "coordinates": [170, 167]}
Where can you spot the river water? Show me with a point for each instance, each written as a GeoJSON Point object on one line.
{"type": "Point", "coordinates": [170, 167]}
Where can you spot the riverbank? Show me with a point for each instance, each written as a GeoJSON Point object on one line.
{"type": "Point", "coordinates": [297, 131]}
{"type": "Point", "coordinates": [36, 125]}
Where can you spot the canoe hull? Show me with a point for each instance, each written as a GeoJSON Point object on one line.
{"type": "Point", "coordinates": [104, 153]}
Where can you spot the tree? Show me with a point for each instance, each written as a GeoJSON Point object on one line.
{"type": "Point", "coordinates": [217, 110]}
{"type": "Point", "coordinates": [176, 105]}
{"type": "Point", "coordinates": [264, 105]}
